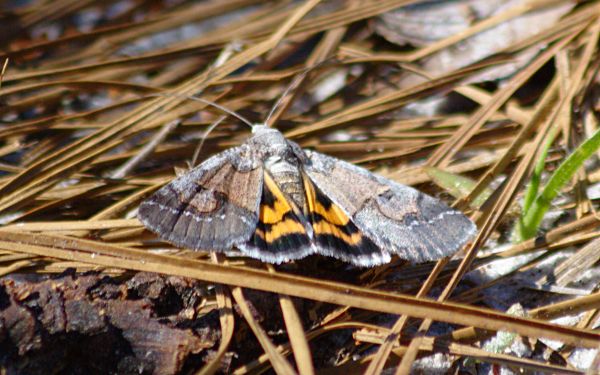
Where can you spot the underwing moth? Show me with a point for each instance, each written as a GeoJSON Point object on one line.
{"type": "Point", "coordinates": [274, 201]}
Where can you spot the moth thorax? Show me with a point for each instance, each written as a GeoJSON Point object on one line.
{"type": "Point", "coordinates": [287, 176]}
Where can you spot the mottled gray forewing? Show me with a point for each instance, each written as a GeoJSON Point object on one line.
{"type": "Point", "coordinates": [212, 207]}
{"type": "Point", "coordinates": [397, 218]}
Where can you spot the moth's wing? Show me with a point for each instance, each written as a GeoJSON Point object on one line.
{"type": "Point", "coordinates": [397, 218]}
{"type": "Point", "coordinates": [212, 207]}
{"type": "Point", "coordinates": [335, 234]}
{"type": "Point", "coordinates": [281, 232]}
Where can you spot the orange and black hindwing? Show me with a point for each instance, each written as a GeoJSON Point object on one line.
{"type": "Point", "coordinates": [334, 233]}
{"type": "Point", "coordinates": [280, 229]}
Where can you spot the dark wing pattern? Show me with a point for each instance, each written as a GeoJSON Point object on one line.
{"type": "Point", "coordinates": [334, 234]}
{"type": "Point", "coordinates": [212, 207]}
{"type": "Point", "coordinates": [281, 232]}
{"type": "Point", "coordinates": [397, 218]}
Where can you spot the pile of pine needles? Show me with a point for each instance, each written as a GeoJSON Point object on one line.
{"type": "Point", "coordinates": [498, 117]}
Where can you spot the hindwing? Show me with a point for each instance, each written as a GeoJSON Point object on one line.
{"type": "Point", "coordinates": [395, 217]}
{"type": "Point", "coordinates": [281, 231]}
{"type": "Point", "coordinates": [334, 233]}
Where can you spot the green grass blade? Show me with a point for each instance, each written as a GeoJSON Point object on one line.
{"type": "Point", "coordinates": [534, 183]}
{"type": "Point", "coordinates": [566, 170]}
{"type": "Point", "coordinates": [458, 186]}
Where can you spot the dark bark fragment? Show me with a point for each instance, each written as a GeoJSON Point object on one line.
{"type": "Point", "coordinates": [76, 324]}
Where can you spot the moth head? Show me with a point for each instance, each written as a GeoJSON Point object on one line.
{"type": "Point", "coordinates": [269, 140]}
{"type": "Point", "coordinates": [260, 128]}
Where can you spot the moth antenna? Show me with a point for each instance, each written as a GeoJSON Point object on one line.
{"type": "Point", "coordinates": [295, 83]}
{"type": "Point", "coordinates": [213, 125]}
{"type": "Point", "coordinates": [204, 136]}
{"type": "Point", "coordinates": [208, 102]}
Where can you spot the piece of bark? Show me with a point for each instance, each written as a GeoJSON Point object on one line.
{"type": "Point", "coordinates": [90, 324]}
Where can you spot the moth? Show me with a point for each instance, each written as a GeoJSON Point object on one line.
{"type": "Point", "coordinates": [274, 201]}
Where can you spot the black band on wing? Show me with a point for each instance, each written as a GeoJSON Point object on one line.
{"type": "Point", "coordinates": [285, 244]}
{"type": "Point", "coordinates": [280, 232]}
{"type": "Point", "coordinates": [334, 232]}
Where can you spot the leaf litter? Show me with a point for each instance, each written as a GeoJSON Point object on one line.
{"type": "Point", "coordinates": [466, 100]}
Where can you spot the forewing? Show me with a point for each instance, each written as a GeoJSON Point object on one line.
{"type": "Point", "coordinates": [281, 231]}
{"type": "Point", "coordinates": [397, 218]}
{"type": "Point", "coordinates": [212, 207]}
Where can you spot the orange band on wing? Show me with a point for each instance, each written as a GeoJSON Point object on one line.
{"type": "Point", "coordinates": [276, 218]}
{"type": "Point", "coordinates": [332, 214]}
{"type": "Point", "coordinates": [281, 229]}
{"type": "Point", "coordinates": [273, 211]}
{"type": "Point", "coordinates": [333, 229]}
